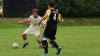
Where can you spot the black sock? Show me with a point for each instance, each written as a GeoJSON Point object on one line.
{"type": "Point", "coordinates": [54, 44]}
{"type": "Point", "coordinates": [45, 46]}
{"type": "Point", "coordinates": [46, 49]}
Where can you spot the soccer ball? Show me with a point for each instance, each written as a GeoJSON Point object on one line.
{"type": "Point", "coordinates": [15, 45]}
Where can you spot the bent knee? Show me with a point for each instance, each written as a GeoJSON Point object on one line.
{"type": "Point", "coordinates": [24, 35]}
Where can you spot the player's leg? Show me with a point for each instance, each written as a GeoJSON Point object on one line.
{"type": "Point", "coordinates": [45, 42]}
{"type": "Point", "coordinates": [45, 46]}
{"type": "Point", "coordinates": [52, 34]}
{"type": "Point", "coordinates": [37, 35]}
{"type": "Point", "coordinates": [53, 42]}
{"type": "Point", "coordinates": [25, 43]}
{"type": "Point", "coordinates": [38, 38]}
{"type": "Point", "coordinates": [24, 35]}
{"type": "Point", "coordinates": [55, 45]}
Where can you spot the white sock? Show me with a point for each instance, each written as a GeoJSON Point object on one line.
{"type": "Point", "coordinates": [24, 41]}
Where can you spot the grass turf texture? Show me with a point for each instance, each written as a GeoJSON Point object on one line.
{"type": "Point", "coordinates": [74, 40]}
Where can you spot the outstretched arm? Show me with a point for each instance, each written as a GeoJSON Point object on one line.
{"type": "Point", "coordinates": [46, 16]}
{"type": "Point", "coordinates": [23, 21]}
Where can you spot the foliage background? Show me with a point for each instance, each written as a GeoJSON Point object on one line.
{"type": "Point", "coordinates": [68, 8]}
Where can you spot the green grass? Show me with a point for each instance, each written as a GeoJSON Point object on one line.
{"type": "Point", "coordinates": [74, 40]}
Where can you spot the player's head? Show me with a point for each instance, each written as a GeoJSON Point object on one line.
{"type": "Point", "coordinates": [50, 5]}
{"type": "Point", "coordinates": [35, 12]}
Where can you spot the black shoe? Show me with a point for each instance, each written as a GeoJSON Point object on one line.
{"type": "Point", "coordinates": [58, 51]}
{"type": "Point", "coordinates": [25, 45]}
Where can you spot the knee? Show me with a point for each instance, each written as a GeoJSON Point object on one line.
{"type": "Point", "coordinates": [24, 35]}
{"type": "Point", "coordinates": [51, 41]}
{"type": "Point", "coordinates": [38, 37]}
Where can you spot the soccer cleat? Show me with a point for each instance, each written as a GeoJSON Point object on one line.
{"type": "Point", "coordinates": [25, 45]}
{"type": "Point", "coordinates": [44, 54]}
{"type": "Point", "coordinates": [58, 51]}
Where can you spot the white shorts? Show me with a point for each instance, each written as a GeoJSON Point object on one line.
{"type": "Point", "coordinates": [33, 31]}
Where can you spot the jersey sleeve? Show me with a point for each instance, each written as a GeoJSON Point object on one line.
{"type": "Point", "coordinates": [29, 19]}
{"type": "Point", "coordinates": [59, 19]}
{"type": "Point", "coordinates": [48, 12]}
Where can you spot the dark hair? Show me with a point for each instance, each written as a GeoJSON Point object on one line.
{"type": "Point", "coordinates": [51, 4]}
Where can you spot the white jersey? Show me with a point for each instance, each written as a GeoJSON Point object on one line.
{"type": "Point", "coordinates": [34, 21]}
{"type": "Point", "coordinates": [34, 26]}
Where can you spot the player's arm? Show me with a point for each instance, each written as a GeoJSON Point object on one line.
{"type": "Point", "coordinates": [46, 16]}
{"type": "Point", "coordinates": [23, 21]}
{"type": "Point", "coordinates": [43, 19]}
{"type": "Point", "coordinates": [26, 20]}
{"type": "Point", "coordinates": [41, 24]}
{"type": "Point", "coordinates": [59, 19]}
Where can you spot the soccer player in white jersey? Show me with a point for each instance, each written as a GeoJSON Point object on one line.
{"type": "Point", "coordinates": [33, 29]}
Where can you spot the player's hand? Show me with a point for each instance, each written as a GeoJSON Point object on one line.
{"type": "Point", "coordinates": [43, 24]}
{"type": "Point", "coordinates": [20, 22]}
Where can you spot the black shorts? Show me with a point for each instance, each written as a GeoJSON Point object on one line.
{"type": "Point", "coordinates": [50, 33]}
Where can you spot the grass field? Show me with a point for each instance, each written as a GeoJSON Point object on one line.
{"type": "Point", "coordinates": [74, 40]}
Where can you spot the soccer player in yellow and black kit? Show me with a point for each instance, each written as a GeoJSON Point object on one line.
{"type": "Point", "coordinates": [51, 18]}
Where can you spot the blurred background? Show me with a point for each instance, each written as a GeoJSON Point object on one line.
{"type": "Point", "coordinates": [74, 12]}
{"type": "Point", "coordinates": [1, 8]}
{"type": "Point", "coordinates": [78, 35]}
{"type": "Point", "coordinates": [68, 8]}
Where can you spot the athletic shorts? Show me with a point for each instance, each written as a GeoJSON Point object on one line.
{"type": "Point", "coordinates": [34, 32]}
{"type": "Point", "coordinates": [50, 33]}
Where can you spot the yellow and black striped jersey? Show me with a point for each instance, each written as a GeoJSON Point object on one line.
{"type": "Point", "coordinates": [49, 11]}
{"type": "Point", "coordinates": [53, 17]}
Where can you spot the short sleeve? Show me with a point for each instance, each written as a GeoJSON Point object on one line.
{"type": "Point", "coordinates": [30, 18]}
{"type": "Point", "coordinates": [59, 18]}
{"type": "Point", "coordinates": [40, 18]}
{"type": "Point", "coordinates": [48, 12]}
